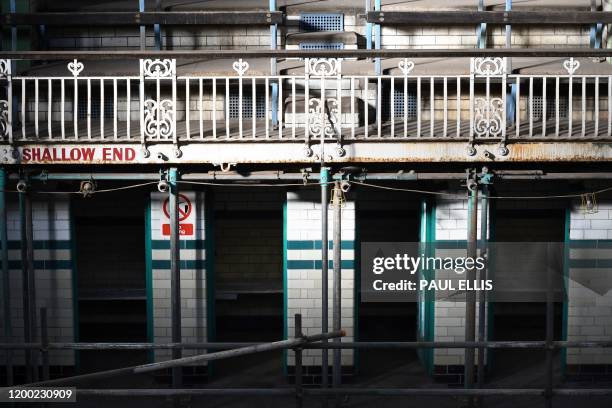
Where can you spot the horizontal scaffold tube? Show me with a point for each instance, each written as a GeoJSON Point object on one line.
{"type": "Point", "coordinates": [347, 345]}
{"type": "Point", "coordinates": [277, 345]}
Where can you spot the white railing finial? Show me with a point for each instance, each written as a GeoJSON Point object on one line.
{"type": "Point", "coordinates": [75, 67]}
{"type": "Point", "coordinates": [406, 66]}
{"type": "Point", "coordinates": [240, 66]}
{"type": "Point", "coordinates": [571, 65]}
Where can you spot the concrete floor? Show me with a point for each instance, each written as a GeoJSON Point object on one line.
{"type": "Point", "coordinates": [379, 368]}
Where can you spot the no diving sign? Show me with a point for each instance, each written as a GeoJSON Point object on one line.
{"type": "Point", "coordinates": [185, 216]}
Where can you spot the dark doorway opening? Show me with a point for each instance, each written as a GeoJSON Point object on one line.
{"type": "Point", "coordinates": [392, 217]}
{"type": "Point", "coordinates": [248, 237]}
{"type": "Point", "coordinates": [111, 276]}
{"type": "Point", "coordinates": [524, 321]}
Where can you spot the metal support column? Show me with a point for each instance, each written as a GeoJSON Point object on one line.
{"type": "Point", "coordinates": [482, 301]}
{"type": "Point", "coordinates": [337, 297]}
{"type": "Point", "coordinates": [44, 341]}
{"type": "Point", "coordinates": [6, 280]}
{"type": "Point", "coordinates": [378, 28]}
{"type": "Point", "coordinates": [482, 28]}
{"type": "Point", "coordinates": [175, 272]}
{"type": "Point", "coordinates": [607, 6]}
{"type": "Point", "coordinates": [596, 29]}
{"type": "Point", "coordinates": [511, 97]}
{"type": "Point", "coordinates": [368, 27]}
{"type": "Point", "coordinates": [143, 28]}
{"type": "Point", "coordinates": [157, 28]}
{"type": "Point", "coordinates": [470, 296]}
{"type": "Point", "coordinates": [550, 316]}
{"type": "Point", "coordinates": [28, 285]}
{"type": "Point", "coordinates": [324, 268]}
{"type": "Point", "coordinates": [273, 71]}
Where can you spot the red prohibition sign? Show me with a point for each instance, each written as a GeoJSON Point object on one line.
{"type": "Point", "coordinates": [184, 207]}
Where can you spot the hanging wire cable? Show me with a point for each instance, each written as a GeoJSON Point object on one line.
{"type": "Point", "coordinates": [309, 184]}
{"type": "Point", "coordinates": [108, 190]}
{"type": "Point", "coordinates": [462, 196]}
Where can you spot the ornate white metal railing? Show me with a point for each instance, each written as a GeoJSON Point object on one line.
{"type": "Point", "coordinates": [487, 105]}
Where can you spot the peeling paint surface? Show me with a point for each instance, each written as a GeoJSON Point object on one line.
{"type": "Point", "coordinates": [362, 152]}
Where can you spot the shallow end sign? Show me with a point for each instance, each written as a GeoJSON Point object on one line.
{"type": "Point", "coordinates": [77, 154]}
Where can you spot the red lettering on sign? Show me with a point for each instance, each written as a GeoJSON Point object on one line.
{"type": "Point", "coordinates": [88, 153]}
{"type": "Point", "coordinates": [77, 154]}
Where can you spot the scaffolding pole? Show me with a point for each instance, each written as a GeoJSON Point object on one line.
{"type": "Point", "coordinates": [28, 284]}
{"type": "Point", "coordinates": [324, 267]}
{"type": "Point", "coordinates": [6, 280]}
{"type": "Point", "coordinates": [175, 273]}
{"type": "Point", "coordinates": [482, 301]}
{"type": "Point", "coordinates": [337, 297]}
{"type": "Point", "coordinates": [550, 321]}
{"type": "Point", "coordinates": [470, 296]}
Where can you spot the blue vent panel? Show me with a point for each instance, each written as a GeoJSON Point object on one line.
{"type": "Point", "coordinates": [321, 22]}
{"type": "Point", "coordinates": [247, 104]}
{"type": "Point", "coordinates": [321, 46]}
{"type": "Point", "coordinates": [399, 103]}
{"type": "Point", "coordinates": [551, 106]}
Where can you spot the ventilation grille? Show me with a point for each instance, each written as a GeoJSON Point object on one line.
{"type": "Point", "coordinates": [321, 46]}
{"type": "Point", "coordinates": [551, 106]}
{"type": "Point", "coordinates": [321, 22]}
{"type": "Point", "coordinates": [109, 104]}
{"type": "Point", "coordinates": [400, 104]}
{"type": "Point", "coordinates": [247, 104]}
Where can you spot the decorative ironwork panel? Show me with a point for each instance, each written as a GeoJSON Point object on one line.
{"type": "Point", "coordinates": [159, 120]}
{"type": "Point", "coordinates": [323, 66]}
{"type": "Point", "coordinates": [488, 117]}
{"type": "Point", "coordinates": [158, 68]}
{"type": "Point", "coordinates": [5, 68]}
{"type": "Point", "coordinates": [489, 66]}
{"type": "Point", "coordinates": [316, 113]}
{"type": "Point", "coordinates": [4, 119]}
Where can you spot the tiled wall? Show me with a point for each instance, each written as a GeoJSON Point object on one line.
{"type": "Point", "coordinates": [589, 309]}
{"type": "Point", "coordinates": [53, 275]}
{"type": "Point", "coordinates": [451, 235]}
{"type": "Point", "coordinates": [193, 277]}
{"type": "Point", "coordinates": [303, 273]}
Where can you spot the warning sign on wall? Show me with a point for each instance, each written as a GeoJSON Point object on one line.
{"type": "Point", "coordinates": [185, 210]}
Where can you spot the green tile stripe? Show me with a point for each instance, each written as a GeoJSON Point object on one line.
{"type": "Point", "coordinates": [184, 264]}
{"type": "Point", "coordinates": [42, 244]}
{"type": "Point", "coordinates": [316, 264]}
{"type": "Point", "coordinates": [184, 244]}
{"type": "Point", "coordinates": [591, 243]}
{"type": "Point", "coordinates": [42, 265]}
{"type": "Point", "coordinates": [590, 263]}
{"type": "Point", "coordinates": [316, 244]}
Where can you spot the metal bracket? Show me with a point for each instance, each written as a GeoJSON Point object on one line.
{"type": "Point", "coordinates": [146, 153]}
{"type": "Point", "coordinates": [474, 179]}
{"type": "Point", "coordinates": [503, 149]}
{"type": "Point", "coordinates": [225, 167]}
{"type": "Point", "coordinates": [470, 149]}
{"type": "Point", "coordinates": [306, 174]}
